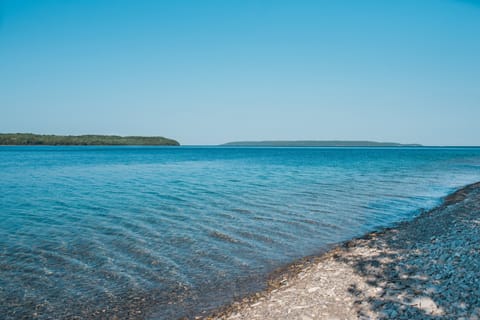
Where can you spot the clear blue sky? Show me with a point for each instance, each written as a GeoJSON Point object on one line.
{"type": "Point", "coordinates": [207, 72]}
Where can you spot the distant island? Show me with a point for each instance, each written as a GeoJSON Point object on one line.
{"type": "Point", "coordinates": [83, 140]}
{"type": "Point", "coordinates": [318, 143]}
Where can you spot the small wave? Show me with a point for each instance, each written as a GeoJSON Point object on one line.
{"type": "Point", "coordinates": [223, 236]}
{"type": "Point", "coordinates": [243, 211]}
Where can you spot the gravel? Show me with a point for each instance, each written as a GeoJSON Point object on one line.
{"type": "Point", "coordinates": [427, 268]}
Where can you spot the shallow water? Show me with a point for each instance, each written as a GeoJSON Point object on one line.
{"type": "Point", "coordinates": [166, 232]}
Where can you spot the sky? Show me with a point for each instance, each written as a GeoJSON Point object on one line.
{"type": "Point", "coordinates": [213, 71]}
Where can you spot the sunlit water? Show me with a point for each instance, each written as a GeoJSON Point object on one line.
{"type": "Point", "coordinates": [169, 232]}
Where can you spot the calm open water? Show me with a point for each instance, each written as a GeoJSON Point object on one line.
{"type": "Point", "coordinates": [166, 232]}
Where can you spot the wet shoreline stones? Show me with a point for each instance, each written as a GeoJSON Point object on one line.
{"type": "Point", "coordinates": [427, 268]}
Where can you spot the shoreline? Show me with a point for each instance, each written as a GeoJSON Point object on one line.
{"type": "Point", "coordinates": [293, 277]}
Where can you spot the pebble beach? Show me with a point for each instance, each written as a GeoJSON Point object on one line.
{"type": "Point", "coordinates": [427, 268]}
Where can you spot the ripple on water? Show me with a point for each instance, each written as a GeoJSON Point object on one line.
{"type": "Point", "coordinates": [164, 233]}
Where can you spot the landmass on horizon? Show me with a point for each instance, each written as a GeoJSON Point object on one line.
{"type": "Point", "coordinates": [83, 140]}
{"type": "Point", "coordinates": [318, 143]}
{"type": "Point", "coordinates": [18, 139]}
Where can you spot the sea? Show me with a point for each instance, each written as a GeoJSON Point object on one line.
{"type": "Point", "coordinates": [173, 232]}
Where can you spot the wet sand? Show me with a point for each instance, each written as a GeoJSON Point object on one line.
{"type": "Point", "coordinates": [427, 268]}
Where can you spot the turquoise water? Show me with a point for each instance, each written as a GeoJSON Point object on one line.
{"type": "Point", "coordinates": [166, 232]}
